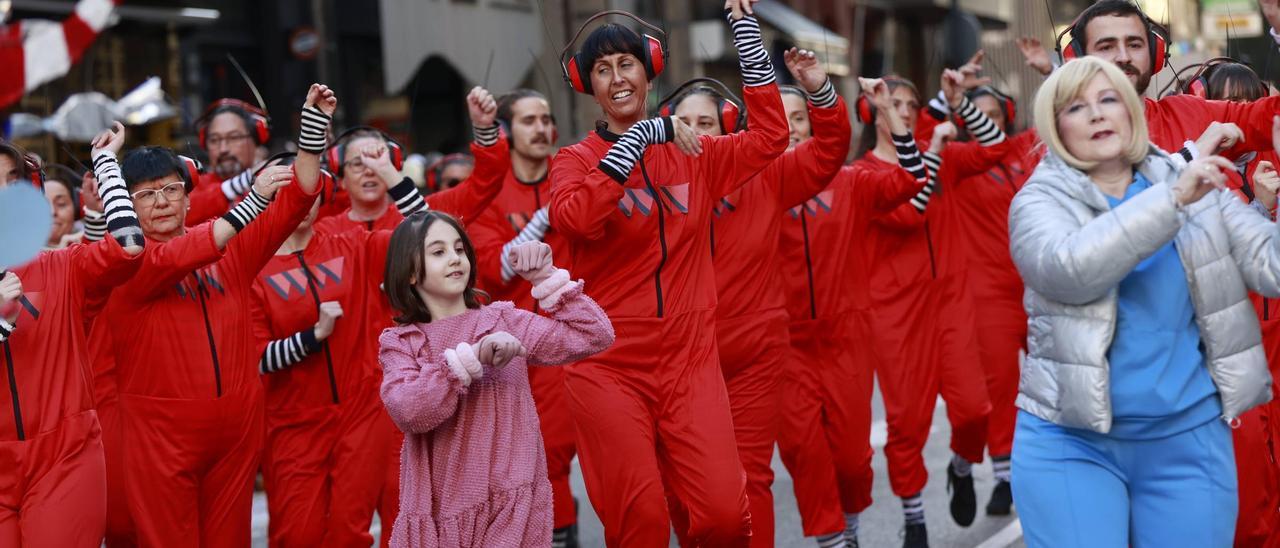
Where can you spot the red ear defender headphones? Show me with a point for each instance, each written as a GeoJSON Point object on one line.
{"type": "Point", "coordinates": [260, 122]}
{"type": "Point", "coordinates": [334, 157]}
{"type": "Point", "coordinates": [35, 171]}
{"type": "Point", "coordinates": [1157, 43]}
{"type": "Point", "coordinates": [578, 73]}
{"type": "Point", "coordinates": [733, 116]}
{"type": "Point", "coordinates": [1198, 85]}
{"type": "Point", "coordinates": [867, 111]}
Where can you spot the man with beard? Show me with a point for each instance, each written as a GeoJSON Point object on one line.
{"type": "Point", "coordinates": [1118, 31]}
{"type": "Point", "coordinates": [230, 132]}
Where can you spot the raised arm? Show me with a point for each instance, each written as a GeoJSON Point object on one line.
{"type": "Point", "coordinates": [468, 200]}
{"type": "Point", "coordinates": [731, 160]}
{"type": "Point", "coordinates": [807, 169]}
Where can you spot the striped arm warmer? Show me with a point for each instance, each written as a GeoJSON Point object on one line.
{"type": "Point", "coordinates": [6, 329]}
{"type": "Point", "coordinates": [757, 68]}
{"type": "Point", "coordinates": [983, 130]}
{"type": "Point", "coordinates": [238, 185]}
{"type": "Point", "coordinates": [122, 220]}
{"type": "Point", "coordinates": [288, 351]}
{"type": "Point", "coordinates": [910, 160]}
{"type": "Point", "coordinates": [825, 97]}
{"type": "Point", "coordinates": [315, 125]}
{"type": "Point", "coordinates": [247, 210]}
{"type": "Point", "coordinates": [938, 107]}
{"type": "Point", "coordinates": [95, 225]}
{"type": "Point", "coordinates": [624, 154]}
{"type": "Point", "coordinates": [486, 136]}
{"type": "Point", "coordinates": [535, 229]}
{"type": "Point", "coordinates": [406, 197]}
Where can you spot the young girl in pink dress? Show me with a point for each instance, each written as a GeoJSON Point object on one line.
{"type": "Point", "coordinates": [473, 472]}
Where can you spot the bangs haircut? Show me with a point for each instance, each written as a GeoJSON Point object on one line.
{"type": "Point", "coordinates": [405, 256]}
{"type": "Point", "coordinates": [1065, 85]}
{"type": "Point", "coordinates": [1234, 82]}
{"type": "Point", "coordinates": [610, 39]}
{"type": "Point", "coordinates": [149, 163]}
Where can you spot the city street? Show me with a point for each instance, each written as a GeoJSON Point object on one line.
{"type": "Point", "coordinates": [880, 525]}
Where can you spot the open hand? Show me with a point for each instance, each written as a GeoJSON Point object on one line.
{"type": "Point", "coordinates": [1200, 177]}
{"type": "Point", "coordinates": [1219, 137]}
{"type": "Point", "coordinates": [1035, 54]}
{"type": "Point", "coordinates": [272, 179]}
{"type": "Point", "coordinates": [805, 69]}
{"type": "Point", "coordinates": [685, 138]}
{"type": "Point", "coordinates": [111, 140]}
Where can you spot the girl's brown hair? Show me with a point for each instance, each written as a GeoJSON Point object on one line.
{"type": "Point", "coordinates": [404, 265]}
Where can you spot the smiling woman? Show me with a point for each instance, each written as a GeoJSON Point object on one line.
{"type": "Point", "coordinates": [1141, 346]}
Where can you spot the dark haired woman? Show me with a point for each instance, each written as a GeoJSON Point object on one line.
{"type": "Point", "coordinates": [635, 200]}
{"type": "Point", "coordinates": [474, 471]}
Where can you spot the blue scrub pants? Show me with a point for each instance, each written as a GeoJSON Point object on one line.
{"type": "Point", "coordinates": [1077, 488]}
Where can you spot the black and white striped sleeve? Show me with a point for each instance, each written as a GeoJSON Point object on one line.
{"type": "Point", "coordinates": [6, 329]}
{"type": "Point", "coordinates": [983, 130]}
{"type": "Point", "coordinates": [315, 128]}
{"type": "Point", "coordinates": [247, 210]}
{"type": "Point", "coordinates": [825, 97]}
{"type": "Point", "coordinates": [95, 225]}
{"type": "Point", "coordinates": [753, 60]}
{"type": "Point", "coordinates": [238, 185]}
{"type": "Point", "coordinates": [117, 205]}
{"type": "Point", "coordinates": [288, 351]}
{"type": "Point", "coordinates": [938, 107]}
{"type": "Point", "coordinates": [932, 162]}
{"type": "Point", "coordinates": [909, 159]}
{"type": "Point", "coordinates": [535, 229]}
{"type": "Point", "coordinates": [486, 136]}
{"type": "Point", "coordinates": [624, 154]}
{"type": "Point", "coordinates": [406, 197]}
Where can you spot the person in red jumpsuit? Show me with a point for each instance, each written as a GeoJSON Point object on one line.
{"type": "Point", "coordinates": [518, 215]}
{"type": "Point", "coordinates": [980, 214]}
{"type": "Point", "coordinates": [1258, 475]}
{"type": "Point", "coordinates": [180, 333]}
{"type": "Point", "coordinates": [53, 486]}
{"type": "Point", "coordinates": [635, 200]}
{"type": "Point", "coordinates": [751, 317]}
{"type": "Point", "coordinates": [324, 464]}
{"type": "Point", "coordinates": [924, 334]}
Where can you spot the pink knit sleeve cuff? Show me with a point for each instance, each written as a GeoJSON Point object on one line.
{"type": "Point", "coordinates": [551, 291]}
{"type": "Point", "coordinates": [463, 363]}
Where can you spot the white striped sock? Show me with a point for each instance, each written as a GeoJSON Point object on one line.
{"type": "Point", "coordinates": [851, 526]}
{"type": "Point", "coordinates": [962, 467]}
{"type": "Point", "coordinates": [913, 509]}
{"type": "Point", "coordinates": [1000, 467]}
{"type": "Point", "coordinates": [834, 540]}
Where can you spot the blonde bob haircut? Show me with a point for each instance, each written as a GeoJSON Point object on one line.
{"type": "Point", "coordinates": [1065, 85]}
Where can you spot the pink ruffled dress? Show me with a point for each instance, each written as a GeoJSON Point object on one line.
{"type": "Point", "coordinates": [472, 469]}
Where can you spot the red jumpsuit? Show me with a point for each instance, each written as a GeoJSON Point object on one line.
{"type": "Point", "coordinates": [925, 334]}
{"type": "Point", "coordinates": [1257, 472]}
{"type": "Point", "coordinates": [654, 406]}
{"type": "Point", "coordinates": [751, 316]}
{"type": "Point", "coordinates": [981, 216]}
{"type": "Point", "coordinates": [825, 251]}
{"type": "Point", "coordinates": [502, 222]}
{"type": "Point", "coordinates": [53, 487]}
{"type": "Point", "coordinates": [324, 433]}
{"type": "Point", "coordinates": [466, 201]}
{"type": "Point", "coordinates": [186, 366]}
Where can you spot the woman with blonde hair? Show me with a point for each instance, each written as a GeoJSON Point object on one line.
{"type": "Point", "coordinates": [1142, 345]}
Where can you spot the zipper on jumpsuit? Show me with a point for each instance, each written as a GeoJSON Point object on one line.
{"type": "Point", "coordinates": [13, 390]}
{"type": "Point", "coordinates": [662, 235]}
{"type": "Point", "coordinates": [808, 264]}
{"type": "Point", "coordinates": [208, 331]}
{"type": "Point", "coordinates": [315, 294]}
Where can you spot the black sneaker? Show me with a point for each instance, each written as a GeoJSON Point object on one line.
{"type": "Point", "coordinates": [914, 535]}
{"type": "Point", "coordinates": [1001, 500]}
{"type": "Point", "coordinates": [964, 502]}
